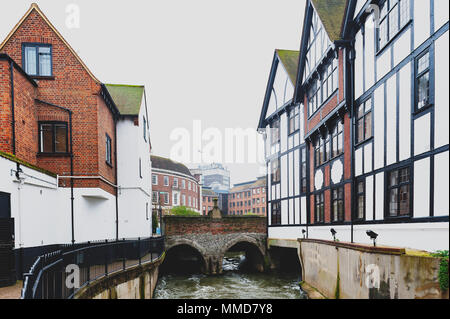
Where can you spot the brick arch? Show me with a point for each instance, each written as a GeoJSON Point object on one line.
{"type": "Point", "coordinates": [192, 244]}
{"type": "Point", "coordinates": [242, 239]}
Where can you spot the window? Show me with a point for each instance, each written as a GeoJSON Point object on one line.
{"type": "Point", "coordinates": [360, 200]}
{"type": "Point", "coordinates": [154, 179]}
{"type": "Point", "coordinates": [53, 138]}
{"type": "Point", "coordinates": [330, 80]}
{"type": "Point", "coordinates": [183, 200]}
{"type": "Point", "coordinates": [313, 97]}
{"type": "Point", "coordinates": [155, 197]}
{"type": "Point", "coordinates": [319, 151]}
{"type": "Point", "coordinates": [183, 184]}
{"type": "Point", "coordinates": [303, 172]}
{"type": "Point", "coordinates": [399, 191]}
{"type": "Point", "coordinates": [108, 150]}
{"type": "Point", "coordinates": [294, 120]}
{"type": "Point", "coordinates": [395, 14]}
{"type": "Point", "coordinates": [276, 213]}
{"type": "Point", "coordinates": [190, 201]}
{"type": "Point", "coordinates": [166, 180]}
{"type": "Point", "coordinates": [166, 198]}
{"type": "Point", "coordinates": [175, 182]}
{"type": "Point", "coordinates": [423, 81]}
{"type": "Point", "coordinates": [320, 210]}
{"type": "Point", "coordinates": [337, 140]}
{"type": "Point", "coordinates": [337, 205]}
{"type": "Point", "coordinates": [364, 122]}
{"type": "Point", "coordinates": [275, 171]}
{"type": "Point", "coordinates": [37, 59]}
{"type": "Point", "coordinates": [189, 185]}
{"type": "Point", "coordinates": [275, 131]}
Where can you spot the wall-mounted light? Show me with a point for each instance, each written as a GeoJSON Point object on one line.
{"type": "Point", "coordinates": [333, 233]}
{"type": "Point", "coordinates": [372, 236]}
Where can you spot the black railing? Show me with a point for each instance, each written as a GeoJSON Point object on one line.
{"type": "Point", "coordinates": [55, 275]}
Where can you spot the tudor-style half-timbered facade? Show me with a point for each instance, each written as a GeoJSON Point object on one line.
{"type": "Point", "coordinates": [373, 149]}
{"type": "Point", "coordinates": [282, 123]}
{"type": "Point", "coordinates": [401, 140]}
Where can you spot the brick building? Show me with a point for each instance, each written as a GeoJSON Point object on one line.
{"type": "Point", "coordinates": [56, 117]}
{"type": "Point", "coordinates": [173, 185]}
{"type": "Point", "coordinates": [249, 197]}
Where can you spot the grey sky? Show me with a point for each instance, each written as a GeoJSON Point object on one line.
{"type": "Point", "coordinates": [199, 59]}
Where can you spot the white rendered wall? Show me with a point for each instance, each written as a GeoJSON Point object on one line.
{"type": "Point", "coordinates": [134, 192]}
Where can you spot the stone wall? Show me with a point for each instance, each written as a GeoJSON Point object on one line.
{"type": "Point", "coordinates": [349, 271]}
{"type": "Point", "coordinates": [135, 283]}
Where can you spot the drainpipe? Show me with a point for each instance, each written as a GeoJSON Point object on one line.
{"type": "Point", "coordinates": [13, 120]}
{"type": "Point", "coordinates": [350, 86]}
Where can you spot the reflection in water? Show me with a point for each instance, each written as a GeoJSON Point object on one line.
{"type": "Point", "coordinates": [232, 284]}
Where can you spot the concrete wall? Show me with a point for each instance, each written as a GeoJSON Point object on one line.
{"type": "Point", "coordinates": [135, 283]}
{"type": "Point", "coordinates": [350, 271]}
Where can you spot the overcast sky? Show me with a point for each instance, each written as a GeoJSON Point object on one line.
{"type": "Point", "coordinates": [205, 60]}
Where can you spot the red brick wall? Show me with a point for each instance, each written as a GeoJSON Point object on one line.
{"type": "Point", "coordinates": [5, 108]}
{"type": "Point", "coordinates": [246, 207]}
{"type": "Point", "coordinates": [71, 87]}
{"type": "Point", "coordinates": [203, 225]}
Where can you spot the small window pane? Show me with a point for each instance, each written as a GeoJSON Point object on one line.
{"type": "Point", "coordinates": [30, 60]}
{"type": "Point", "coordinates": [45, 61]}
{"type": "Point", "coordinates": [46, 138]}
{"type": "Point", "coordinates": [60, 138]}
{"type": "Point", "coordinates": [393, 202]}
{"type": "Point", "coordinates": [423, 91]}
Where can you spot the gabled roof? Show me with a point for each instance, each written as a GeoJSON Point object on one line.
{"type": "Point", "coordinates": [331, 13]}
{"type": "Point", "coordinates": [169, 165]}
{"type": "Point", "coordinates": [289, 59]}
{"type": "Point", "coordinates": [35, 7]}
{"type": "Point", "coordinates": [128, 98]}
{"type": "Point", "coordinates": [260, 182]}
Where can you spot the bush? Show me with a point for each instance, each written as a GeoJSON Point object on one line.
{"type": "Point", "coordinates": [443, 269]}
{"type": "Point", "coordinates": [183, 211]}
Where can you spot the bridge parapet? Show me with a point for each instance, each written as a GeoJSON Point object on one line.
{"type": "Point", "coordinates": [212, 238]}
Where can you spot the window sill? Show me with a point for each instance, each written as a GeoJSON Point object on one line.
{"type": "Point", "coordinates": [357, 145]}
{"type": "Point", "coordinates": [42, 77]}
{"type": "Point", "coordinates": [423, 110]}
{"type": "Point", "coordinates": [41, 154]}
{"type": "Point", "coordinates": [109, 164]}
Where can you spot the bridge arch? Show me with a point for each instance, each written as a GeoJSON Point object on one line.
{"type": "Point", "coordinates": [185, 245]}
{"type": "Point", "coordinates": [254, 249]}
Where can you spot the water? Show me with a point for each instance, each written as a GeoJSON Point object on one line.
{"type": "Point", "coordinates": [232, 284]}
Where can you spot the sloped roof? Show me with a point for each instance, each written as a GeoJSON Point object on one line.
{"type": "Point", "coordinates": [128, 98]}
{"type": "Point", "coordinates": [260, 182]}
{"type": "Point", "coordinates": [208, 192]}
{"type": "Point", "coordinates": [35, 7]}
{"type": "Point", "coordinates": [331, 13]}
{"type": "Point", "coordinates": [289, 59]}
{"type": "Point", "coordinates": [169, 165]}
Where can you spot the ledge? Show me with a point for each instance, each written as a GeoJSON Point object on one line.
{"type": "Point", "coordinates": [358, 247]}
{"type": "Point", "coordinates": [26, 164]}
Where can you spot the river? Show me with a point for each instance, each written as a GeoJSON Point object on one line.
{"type": "Point", "coordinates": [232, 284]}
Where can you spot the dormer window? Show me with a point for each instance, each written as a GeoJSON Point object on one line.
{"type": "Point", "coordinates": [37, 59]}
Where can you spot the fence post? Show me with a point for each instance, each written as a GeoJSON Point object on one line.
{"type": "Point", "coordinates": [139, 249]}
{"type": "Point", "coordinates": [106, 257]}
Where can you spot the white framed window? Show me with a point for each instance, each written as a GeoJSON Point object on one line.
{"type": "Point", "coordinates": [189, 201]}
{"type": "Point", "coordinates": [154, 179]}
{"type": "Point", "coordinates": [155, 196]}
{"type": "Point", "coordinates": [175, 182]}
{"type": "Point", "coordinates": [175, 199]}
{"type": "Point", "coordinates": [183, 184]}
{"type": "Point", "coordinates": [165, 197]}
{"type": "Point", "coordinates": [189, 185]}
{"type": "Point", "coordinates": [166, 180]}
{"type": "Point", "coordinates": [183, 200]}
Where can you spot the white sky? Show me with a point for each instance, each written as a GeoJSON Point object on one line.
{"type": "Point", "coordinates": [205, 60]}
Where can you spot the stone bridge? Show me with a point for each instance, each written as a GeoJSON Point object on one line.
{"type": "Point", "coordinates": [210, 238]}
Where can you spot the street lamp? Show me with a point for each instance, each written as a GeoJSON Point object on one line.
{"type": "Point", "coordinates": [372, 236]}
{"type": "Point", "coordinates": [333, 233]}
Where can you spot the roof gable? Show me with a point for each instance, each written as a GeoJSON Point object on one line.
{"type": "Point", "coordinates": [128, 98]}
{"type": "Point", "coordinates": [35, 8]}
{"type": "Point", "coordinates": [284, 62]}
{"type": "Point", "coordinates": [331, 13]}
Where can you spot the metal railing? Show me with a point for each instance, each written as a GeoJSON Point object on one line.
{"type": "Point", "coordinates": [52, 276]}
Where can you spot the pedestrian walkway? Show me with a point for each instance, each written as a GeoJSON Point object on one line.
{"type": "Point", "coordinates": [11, 292]}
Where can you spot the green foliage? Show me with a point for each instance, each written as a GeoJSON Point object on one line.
{"type": "Point", "coordinates": [443, 269]}
{"type": "Point", "coordinates": [155, 221]}
{"type": "Point", "coordinates": [184, 211]}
